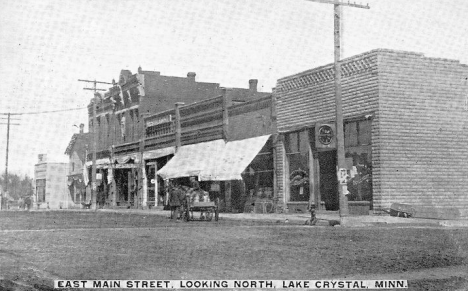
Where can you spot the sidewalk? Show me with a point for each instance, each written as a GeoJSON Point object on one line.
{"type": "Point", "coordinates": [324, 219]}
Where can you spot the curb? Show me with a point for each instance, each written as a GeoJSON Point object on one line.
{"type": "Point", "coordinates": [285, 219]}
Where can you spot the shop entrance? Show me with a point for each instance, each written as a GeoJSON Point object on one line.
{"type": "Point", "coordinates": [328, 180]}
{"type": "Point", "coordinates": [123, 181]}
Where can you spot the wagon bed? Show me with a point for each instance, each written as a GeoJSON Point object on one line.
{"type": "Point", "coordinates": [207, 210]}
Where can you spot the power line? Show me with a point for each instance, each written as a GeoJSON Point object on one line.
{"type": "Point", "coordinates": [7, 151]}
{"type": "Point", "coordinates": [42, 112]}
{"type": "Point", "coordinates": [93, 168]}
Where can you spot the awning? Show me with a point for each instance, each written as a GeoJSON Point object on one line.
{"type": "Point", "coordinates": [123, 159]}
{"type": "Point", "coordinates": [215, 160]}
{"type": "Point", "coordinates": [154, 154]}
{"type": "Point", "coordinates": [193, 160]}
{"type": "Point", "coordinates": [236, 158]}
{"type": "Point", "coordinates": [100, 163]}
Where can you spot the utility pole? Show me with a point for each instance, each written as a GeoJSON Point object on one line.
{"type": "Point", "coordinates": [341, 162]}
{"type": "Point", "coordinates": [8, 124]}
{"type": "Point", "coordinates": [93, 169]}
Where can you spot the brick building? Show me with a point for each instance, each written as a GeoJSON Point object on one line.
{"type": "Point", "coordinates": [142, 124]}
{"type": "Point", "coordinates": [406, 133]}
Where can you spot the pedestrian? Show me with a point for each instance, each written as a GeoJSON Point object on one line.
{"type": "Point", "coordinates": [176, 200]}
{"type": "Point", "coordinates": [21, 204]}
{"type": "Point", "coordinates": [27, 203]}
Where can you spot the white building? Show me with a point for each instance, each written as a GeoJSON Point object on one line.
{"type": "Point", "coordinates": [50, 185]}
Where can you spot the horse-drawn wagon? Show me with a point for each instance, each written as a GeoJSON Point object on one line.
{"type": "Point", "coordinates": [195, 202]}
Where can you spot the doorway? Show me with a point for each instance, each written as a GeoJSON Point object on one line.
{"type": "Point", "coordinates": [328, 180]}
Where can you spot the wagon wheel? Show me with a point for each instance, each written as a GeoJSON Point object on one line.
{"type": "Point", "coordinates": [187, 210]}
{"type": "Point", "coordinates": [217, 209]}
{"type": "Point", "coordinates": [209, 214]}
{"type": "Point", "coordinates": [186, 214]}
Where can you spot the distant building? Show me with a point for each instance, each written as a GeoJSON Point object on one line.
{"type": "Point", "coordinates": [50, 183]}
{"type": "Point", "coordinates": [405, 126]}
{"type": "Point", "coordinates": [77, 183]}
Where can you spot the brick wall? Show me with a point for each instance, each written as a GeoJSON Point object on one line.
{"type": "Point", "coordinates": [423, 145]}
{"type": "Point", "coordinates": [419, 122]}
{"type": "Point", "coordinates": [309, 97]}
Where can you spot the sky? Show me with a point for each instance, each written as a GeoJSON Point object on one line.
{"type": "Point", "coordinates": [46, 46]}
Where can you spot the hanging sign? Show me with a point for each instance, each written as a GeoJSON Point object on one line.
{"type": "Point", "coordinates": [325, 136]}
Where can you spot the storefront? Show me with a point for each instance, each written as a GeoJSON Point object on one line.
{"type": "Point", "coordinates": [127, 174]}
{"type": "Point", "coordinates": [229, 170]}
{"type": "Point", "coordinates": [77, 189]}
{"type": "Point", "coordinates": [311, 162]}
{"type": "Point", "coordinates": [154, 186]}
{"type": "Point", "coordinates": [401, 112]}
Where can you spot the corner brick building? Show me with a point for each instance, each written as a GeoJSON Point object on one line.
{"type": "Point", "coordinates": [406, 133]}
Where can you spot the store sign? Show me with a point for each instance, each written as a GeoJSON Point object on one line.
{"type": "Point", "coordinates": [325, 136]}
{"type": "Point", "coordinates": [342, 176]}
{"type": "Point", "coordinates": [160, 120]}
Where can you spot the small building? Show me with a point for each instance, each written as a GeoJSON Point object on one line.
{"type": "Point", "coordinates": [405, 126]}
{"type": "Point", "coordinates": [77, 182]}
{"type": "Point", "coordinates": [50, 183]}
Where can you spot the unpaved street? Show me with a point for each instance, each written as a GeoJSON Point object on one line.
{"type": "Point", "coordinates": [38, 247]}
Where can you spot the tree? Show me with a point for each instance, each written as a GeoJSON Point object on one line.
{"type": "Point", "coordinates": [17, 186]}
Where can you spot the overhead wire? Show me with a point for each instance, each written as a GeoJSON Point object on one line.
{"type": "Point", "coordinates": [42, 112]}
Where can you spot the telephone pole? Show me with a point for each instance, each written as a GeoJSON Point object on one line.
{"type": "Point", "coordinates": [8, 124]}
{"type": "Point", "coordinates": [93, 169]}
{"type": "Point", "coordinates": [341, 162]}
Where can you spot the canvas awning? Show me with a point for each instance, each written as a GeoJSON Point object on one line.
{"type": "Point", "coordinates": [214, 160]}
{"type": "Point", "coordinates": [154, 154]}
{"type": "Point", "coordinates": [236, 157]}
{"type": "Point", "coordinates": [192, 160]}
{"type": "Point", "coordinates": [123, 159]}
{"type": "Point", "coordinates": [100, 163]}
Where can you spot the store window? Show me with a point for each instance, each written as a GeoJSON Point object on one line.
{"type": "Point", "coordinates": [40, 190]}
{"type": "Point", "coordinates": [359, 159]}
{"type": "Point", "coordinates": [297, 152]}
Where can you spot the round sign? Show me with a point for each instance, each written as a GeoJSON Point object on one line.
{"type": "Point", "coordinates": [325, 134]}
{"type": "Point", "coordinates": [153, 181]}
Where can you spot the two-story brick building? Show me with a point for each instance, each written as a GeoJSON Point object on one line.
{"type": "Point", "coordinates": [406, 133]}
{"type": "Point", "coordinates": [141, 124]}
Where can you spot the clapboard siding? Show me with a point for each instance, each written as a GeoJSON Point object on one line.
{"type": "Point", "coordinates": [424, 138]}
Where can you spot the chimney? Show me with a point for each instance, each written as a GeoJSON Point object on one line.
{"type": "Point", "coordinates": [253, 85]}
{"type": "Point", "coordinates": [191, 76]}
{"type": "Point", "coordinates": [81, 127]}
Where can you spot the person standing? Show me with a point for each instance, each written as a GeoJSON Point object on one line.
{"type": "Point", "coordinates": [28, 202]}
{"type": "Point", "coordinates": [176, 200]}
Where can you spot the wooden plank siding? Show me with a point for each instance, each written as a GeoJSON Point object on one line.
{"type": "Point", "coordinates": [424, 138]}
